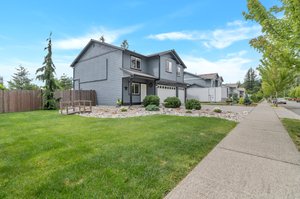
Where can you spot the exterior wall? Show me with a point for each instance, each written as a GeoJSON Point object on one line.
{"type": "Point", "coordinates": [136, 98]}
{"type": "Point", "coordinates": [127, 62]}
{"type": "Point", "coordinates": [170, 76]}
{"type": "Point", "coordinates": [153, 66]}
{"type": "Point", "coordinates": [192, 79]}
{"type": "Point", "coordinates": [99, 70]}
{"type": "Point", "coordinates": [216, 94]}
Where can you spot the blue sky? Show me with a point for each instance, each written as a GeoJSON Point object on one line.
{"type": "Point", "coordinates": [209, 35]}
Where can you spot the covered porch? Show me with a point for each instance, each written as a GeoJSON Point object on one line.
{"type": "Point", "coordinates": [136, 87]}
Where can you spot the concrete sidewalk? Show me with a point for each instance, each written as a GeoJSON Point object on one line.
{"type": "Point", "coordinates": [256, 160]}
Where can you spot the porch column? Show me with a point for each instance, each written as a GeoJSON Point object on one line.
{"type": "Point", "coordinates": [130, 91]}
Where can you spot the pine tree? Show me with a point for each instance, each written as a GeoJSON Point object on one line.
{"type": "Point", "coordinates": [251, 82]}
{"type": "Point", "coordinates": [47, 75]}
{"type": "Point", "coordinates": [102, 39]}
{"type": "Point", "coordinates": [20, 80]}
{"type": "Point", "coordinates": [65, 82]}
{"type": "Point", "coordinates": [125, 44]}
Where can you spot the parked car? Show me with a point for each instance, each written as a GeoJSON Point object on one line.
{"type": "Point", "coordinates": [281, 101]}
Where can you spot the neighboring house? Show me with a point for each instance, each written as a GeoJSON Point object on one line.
{"type": "Point", "coordinates": [235, 89]}
{"type": "Point", "coordinates": [1, 80]}
{"type": "Point", "coordinates": [117, 73]}
{"type": "Point", "coordinates": [205, 87]}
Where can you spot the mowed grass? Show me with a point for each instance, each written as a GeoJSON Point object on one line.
{"type": "Point", "coordinates": [293, 127]}
{"type": "Point", "coordinates": [47, 155]}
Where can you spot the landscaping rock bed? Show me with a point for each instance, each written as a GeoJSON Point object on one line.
{"type": "Point", "coordinates": [136, 111]}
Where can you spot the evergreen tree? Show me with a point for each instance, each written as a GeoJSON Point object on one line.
{"type": "Point", "coordinates": [102, 39]}
{"type": "Point", "coordinates": [46, 75]}
{"type": "Point", "coordinates": [125, 44]}
{"type": "Point", "coordinates": [251, 82]}
{"type": "Point", "coordinates": [65, 82]}
{"type": "Point", "coordinates": [2, 87]}
{"type": "Point", "coordinates": [21, 81]}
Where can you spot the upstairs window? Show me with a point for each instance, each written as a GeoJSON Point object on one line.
{"type": "Point", "coordinates": [178, 71]}
{"type": "Point", "coordinates": [168, 66]}
{"type": "Point", "coordinates": [135, 63]}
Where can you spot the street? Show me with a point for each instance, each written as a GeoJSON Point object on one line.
{"type": "Point", "coordinates": [292, 106]}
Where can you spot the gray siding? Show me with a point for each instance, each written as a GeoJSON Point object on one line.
{"type": "Point", "coordinates": [127, 62]}
{"type": "Point", "coordinates": [92, 73]}
{"type": "Point", "coordinates": [153, 66]}
{"type": "Point", "coordinates": [170, 76]}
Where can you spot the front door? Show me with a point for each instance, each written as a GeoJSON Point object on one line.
{"type": "Point", "coordinates": [143, 91]}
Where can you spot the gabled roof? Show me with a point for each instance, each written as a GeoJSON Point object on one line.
{"type": "Point", "coordinates": [173, 52]}
{"type": "Point", "coordinates": [209, 76]}
{"type": "Point", "coordinates": [195, 75]}
{"type": "Point", "coordinates": [87, 47]}
{"type": "Point", "coordinates": [139, 74]}
{"type": "Point", "coordinates": [232, 85]}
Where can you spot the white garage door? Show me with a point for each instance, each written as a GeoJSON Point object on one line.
{"type": "Point", "coordinates": [165, 91]}
{"type": "Point", "coordinates": [181, 95]}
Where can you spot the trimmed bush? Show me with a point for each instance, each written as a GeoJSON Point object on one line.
{"type": "Point", "coordinates": [172, 102]}
{"type": "Point", "coordinates": [123, 109]}
{"type": "Point", "coordinates": [152, 107]}
{"type": "Point", "coordinates": [247, 100]}
{"type": "Point", "coordinates": [241, 100]}
{"type": "Point", "coordinates": [229, 100]}
{"type": "Point", "coordinates": [193, 104]}
{"type": "Point", "coordinates": [151, 100]}
{"type": "Point", "coordinates": [217, 110]}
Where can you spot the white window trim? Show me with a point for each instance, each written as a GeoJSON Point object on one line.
{"type": "Point", "coordinates": [178, 71]}
{"type": "Point", "coordinates": [136, 59]}
{"type": "Point", "coordinates": [139, 88]}
{"type": "Point", "coordinates": [169, 66]}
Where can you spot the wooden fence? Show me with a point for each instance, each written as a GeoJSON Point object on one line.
{"type": "Point", "coordinates": [29, 100]}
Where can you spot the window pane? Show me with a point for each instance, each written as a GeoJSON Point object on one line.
{"type": "Point", "coordinates": [133, 62]}
{"type": "Point", "coordinates": [138, 63]}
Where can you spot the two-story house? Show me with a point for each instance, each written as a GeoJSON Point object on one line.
{"type": "Point", "coordinates": [117, 73]}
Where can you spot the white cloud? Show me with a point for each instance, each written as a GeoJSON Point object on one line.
{"type": "Point", "coordinates": [110, 36]}
{"type": "Point", "coordinates": [218, 38]}
{"type": "Point", "coordinates": [178, 36]}
{"type": "Point", "coordinates": [232, 69]}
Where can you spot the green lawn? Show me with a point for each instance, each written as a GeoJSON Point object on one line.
{"type": "Point", "coordinates": [47, 155]}
{"type": "Point", "coordinates": [293, 127]}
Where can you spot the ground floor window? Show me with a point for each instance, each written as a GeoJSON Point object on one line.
{"type": "Point", "coordinates": [135, 88]}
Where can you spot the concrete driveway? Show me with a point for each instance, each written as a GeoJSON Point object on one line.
{"type": "Point", "coordinates": [292, 106]}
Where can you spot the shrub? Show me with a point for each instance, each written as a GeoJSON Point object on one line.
{"type": "Point", "coordinates": [123, 109]}
{"type": "Point", "coordinates": [257, 97]}
{"type": "Point", "coordinates": [229, 100]}
{"type": "Point", "coordinates": [235, 97]}
{"type": "Point", "coordinates": [172, 102]}
{"type": "Point", "coordinates": [217, 110]}
{"type": "Point", "coordinates": [119, 102]}
{"type": "Point", "coordinates": [152, 107]}
{"type": "Point", "coordinates": [241, 100]}
{"type": "Point", "coordinates": [151, 100]}
{"type": "Point", "coordinates": [247, 100]}
{"type": "Point", "coordinates": [193, 104]}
